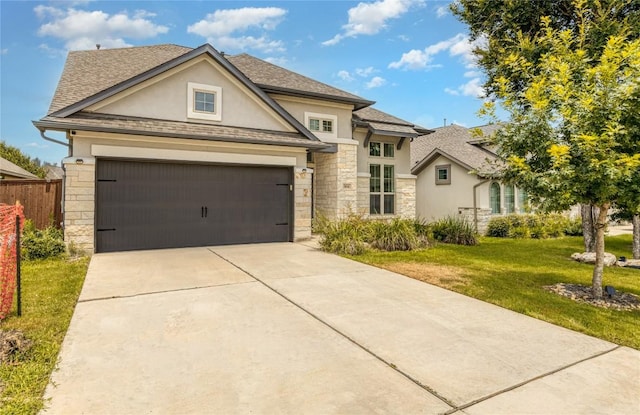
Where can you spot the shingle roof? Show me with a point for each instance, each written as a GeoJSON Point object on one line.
{"type": "Point", "coordinates": [456, 143]}
{"type": "Point", "coordinates": [164, 128]}
{"type": "Point", "coordinates": [10, 169]}
{"type": "Point", "coordinates": [274, 78]}
{"type": "Point", "coordinates": [379, 121]}
{"type": "Point", "coordinates": [89, 72]}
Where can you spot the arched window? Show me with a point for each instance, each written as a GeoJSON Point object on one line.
{"type": "Point", "coordinates": [523, 200]}
{"type": "Point", "coordinates": [509, 199]}
{"type": "Point", "coordinates": [494, 196]}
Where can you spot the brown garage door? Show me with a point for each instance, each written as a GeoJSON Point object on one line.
{"type": "Point", "coordinates": [149, 205]}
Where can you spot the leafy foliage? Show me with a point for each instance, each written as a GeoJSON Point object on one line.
{"type": "Point", "coordinates": [17, 157]}
{"type": "Point", "coordinates": [347, 236]}
{"type": "Point", "coordinates": [41, 244]}
{"type": "Point", "coordinates": [454, 230]}
{"type": "Point", "coordinates": [396, 235]}
{"type": "Point", "coordinates": [537, 226]}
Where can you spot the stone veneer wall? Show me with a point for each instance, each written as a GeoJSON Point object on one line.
{"type": "Point", "coordinates": [79, 202]}
{"type": "Point", "coordinates": [484, 216]}
{"type": "Point", "coordinates": [336, 181]}
{"type": "Point", "coordinates": [363, 194]}
{"type": "Point", "coordinates": [302, 204]}
{"type": "Point", "coordinates": [406, 197]}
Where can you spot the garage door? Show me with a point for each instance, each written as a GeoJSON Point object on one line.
{"type": "Point", "coordinates": [149, 205]}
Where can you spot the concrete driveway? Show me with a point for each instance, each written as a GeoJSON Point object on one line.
{"type": "Point", "coordinates": [286, 329]}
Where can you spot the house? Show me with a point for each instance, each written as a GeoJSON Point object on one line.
{"type": "Point", "coordinates": [171, 146]}
{"type": "Point", "coordinates": [10, 171]}
{"type": "Point", "coordinates": [454, 169]}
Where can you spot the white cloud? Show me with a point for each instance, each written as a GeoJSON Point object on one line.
{"type": "Point", "coordinates": [458, 45]}
{"type": "Point", "coordinates": [442, 11]}
{"type": "Point", "coordinates": [376, 82]}
{"type": "Point", "coordinates": [82, 29]}
{"type": "Point", "coordinates": [4, 51]}
{"type": "Point", "coordinates": [224, 28]}
{"type": "Point", "coordinates": [371, 18]}
{"type": "Point", "coordinates": [365, 72]}
{"type": "Point", "coordinates": [472, 88]}
{"type": "Point", "coordinates": [281, 61]}
{"type": "Point", "coordinates": [345, 76]}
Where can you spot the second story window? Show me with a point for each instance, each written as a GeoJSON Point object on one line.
{"type": "Point", "coordinates": [325, 126]}
{"type": "Point", "coordinates": [204, 102]}
{"type": "Point", "coordinates": [381, 149]}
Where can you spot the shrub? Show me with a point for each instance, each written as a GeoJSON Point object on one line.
{"type": "Point", "coordinates": [574, 227]}
{"type": "Point", "coordinates": [347, 236]}
{"type": "Point", "coordinates": [41, 244]}
{"type": "Point", "coordinates": [454, 230]}
{"type": "Point", "coordinates": [499, 227]}
{"type": "Point", "coordinates": [424, 232]}
{"type": "Point", "coordinates": [395, 235]}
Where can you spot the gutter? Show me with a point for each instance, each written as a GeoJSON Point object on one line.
{"type": "Point", "coordinates": [53, 140]}
{"type": "Point", "coordinates": [475, 203]}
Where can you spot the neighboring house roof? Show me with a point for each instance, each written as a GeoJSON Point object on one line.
{"type": "Point", "coordinates": [379, 122]}
{"type": "Point", "coordinates": [275, 79]}
{"type": "Point", "coordinates": [456, 143]}
{"type": "Point", "coordinates": [7, 168]}
{"type": "Point", "coordinates": [53, 172]}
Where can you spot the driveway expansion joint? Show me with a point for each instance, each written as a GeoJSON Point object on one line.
{"type": "Point", "coordinates": [200, 287]}
{"type": "Point", "coordinates": [526, 382]}
{"type": "Point", "coordinates": [353, 341]}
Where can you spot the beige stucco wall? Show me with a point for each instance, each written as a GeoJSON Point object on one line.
{"type": "Point", "coordinates": [297, 107]}
{"type": "Point", "coordinates": [165, 97]}
{"type": "Point", "coordinates": [401, 158]}
{"type": "Point", "coordinates": [437, 201]}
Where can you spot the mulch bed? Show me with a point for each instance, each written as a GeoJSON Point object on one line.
{"type": "Point", "coordinates": [582, 293]}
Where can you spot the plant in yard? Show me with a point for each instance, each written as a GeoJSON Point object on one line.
{"type": "Point", "coordinates": [41, 244]}
{"type": "Point", "coordinates": [454, 230]}
{"type": "Point", "coordinates": [395, 235]}
{"type": "Point", "coordinates": [346, 236]}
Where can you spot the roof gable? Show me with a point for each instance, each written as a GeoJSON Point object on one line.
{"type": "Point", "coordinates": [10, 169]}
{"type": "Point", "coordinates": [454, 142]}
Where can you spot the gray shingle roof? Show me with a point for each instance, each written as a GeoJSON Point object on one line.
{"type": "Point", "coordinates": [89, 72]}
{"type": "Point", "coordinates": [163, 128]}
{"type": "Point", "coordinates": [456, 143]}
{"type": "Point", "coordinates": [379, 121]}
{"type": "Point", "coordinates": [273, 78]}
{"type": "Point", "coordinates": [10, 169]}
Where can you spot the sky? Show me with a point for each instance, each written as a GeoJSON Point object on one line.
{"type": "Point", "coordinates": [410, 56]}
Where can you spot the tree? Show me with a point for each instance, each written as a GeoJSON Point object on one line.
{"type": "Point", "coordinates": [566, 141]}
{"type": "Point", "coordinates": [17, 157]}
{"type": "Point", "coordinates": [503, 24]}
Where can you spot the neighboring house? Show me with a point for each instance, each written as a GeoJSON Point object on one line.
{"type": "Point", "coordinates": [172, 147]}
{"type": "Point", "coordinates": [10, 171]}
{"type": "Point", "coordinates": [53, 172]}
{"type": "Point", "coordinates": [454, 169]}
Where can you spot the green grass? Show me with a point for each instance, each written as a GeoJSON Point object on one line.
{"type": "Point", "coordinates": [50, 290]}
{"type": "Point", "coordinates": [511, 273]}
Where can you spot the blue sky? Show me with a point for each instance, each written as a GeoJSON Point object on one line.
{"type": "Point", "coordinates": [410, 56]}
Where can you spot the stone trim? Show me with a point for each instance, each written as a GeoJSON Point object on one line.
{"type": "Point", "coordinates": [79, 202]}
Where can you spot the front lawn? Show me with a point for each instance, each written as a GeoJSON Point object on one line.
{"type": "Point", "coordinates": [50, 290]}
{"type": "Point", "coordinates": [511, 273]}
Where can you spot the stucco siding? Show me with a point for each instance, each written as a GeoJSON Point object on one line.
{"type": "Point", "coordinates": [166, 98]}
{"type": "Point", "coordinates": [297, 107]}
{"type": "Point", "coordinates": [401, 159]}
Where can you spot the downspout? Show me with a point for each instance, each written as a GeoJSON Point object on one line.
{"type": "Point", "coordinates": [475, 203]}
{"type": "Point", "coordinates": [64, 171]}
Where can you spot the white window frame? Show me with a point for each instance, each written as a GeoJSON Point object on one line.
{"type": "Point", "coordinates": [308, 116]}
{"type": "Point", "coordinates": [192, 87]}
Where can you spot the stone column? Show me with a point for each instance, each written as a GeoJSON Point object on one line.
{"type": "Point", "coordinates": [337, 181]}
{"type": "Point", "coordinates": [79, 202]}
{"type": "Point", "coordinates": [363, 194]}
{"type": "Point", "coordinates": [302, 203]}
{"type": "Point", "coordinates": [406, 196]}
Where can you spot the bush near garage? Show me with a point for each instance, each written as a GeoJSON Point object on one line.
{"type": "Point", "coordinates": [41, 243]}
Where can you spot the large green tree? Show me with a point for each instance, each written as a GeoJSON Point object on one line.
{"type": "Point", "coordinates": [504, 24]}
{"type": "Point", "coordinates": [566, 141]}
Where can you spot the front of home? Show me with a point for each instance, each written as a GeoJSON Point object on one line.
{"type": "Point", "coordinates": [173, 147]}
{"type": "Point", "coordinates": [455, 170]}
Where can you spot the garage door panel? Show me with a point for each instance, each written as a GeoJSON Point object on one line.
{"type": "Point", "coordinates": [144, 205]}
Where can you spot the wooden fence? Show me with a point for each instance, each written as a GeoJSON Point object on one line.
{"type": "Point", "coordinates": [42, 199]}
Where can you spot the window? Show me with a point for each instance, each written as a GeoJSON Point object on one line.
{"type": "Point", "coordinates": [322, 125]}
{"type": "Point", "coordinates": [509, 199]}
{"type": "Point", "coordinates": [381, 189]}
{"type": "Point", "coordinates": [523, 201]}
{"type": "Point", "coordinates": [204, 101]}
{"type": "Point", "coordinates": [494, 198]}
{"type": "Point", "coordinates": [378, 149]}
{"type": "Point", "coordinates": [314, 124]}
{"type": "Point", "coordinates": [327, 126]}
{"type": "Point", "coordinates": [443, 174]}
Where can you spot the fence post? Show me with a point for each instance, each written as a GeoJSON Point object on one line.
{"type": "Point", "coordinates": [18, 276]}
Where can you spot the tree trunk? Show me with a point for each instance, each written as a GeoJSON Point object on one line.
{"type": "Point", "coordinates": [589, 214]}
{"type": "Point", "coordinates": [598, 269]}
{"type": "Point", "coordinates": [636, 237]}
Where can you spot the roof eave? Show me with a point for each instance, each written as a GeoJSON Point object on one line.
{"type": "Point", "coordinates": [357, 103]}
{"type": "Point", "coordinates": [56, 126]}
{"type": "Point", "coordinates": [428, 159]}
